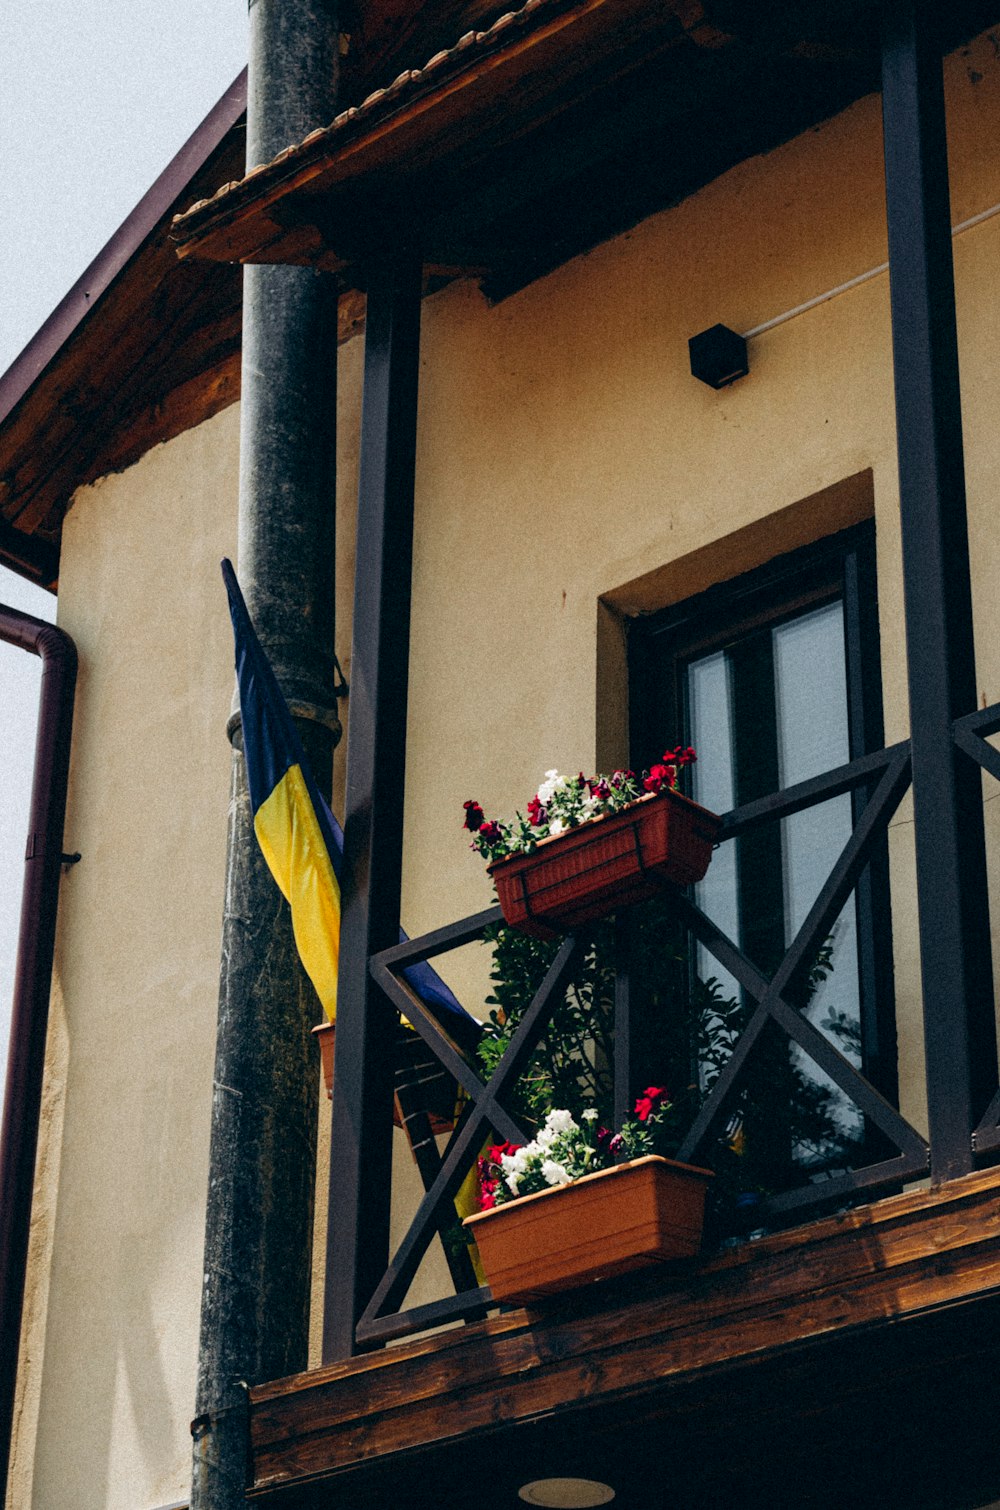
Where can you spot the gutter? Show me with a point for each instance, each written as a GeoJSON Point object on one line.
{"type": "Point", "coordinates": [32, 981]}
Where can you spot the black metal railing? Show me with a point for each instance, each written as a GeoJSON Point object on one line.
{"type": "Point", "coordinates": [947, 750]}
{"type": "Point", "coordinates": [884, 777]}
{"type": "Point", "coordinates": [970, 735]}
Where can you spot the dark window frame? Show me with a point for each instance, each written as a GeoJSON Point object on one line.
{"type": "Point", "coordinates": [839, 567]}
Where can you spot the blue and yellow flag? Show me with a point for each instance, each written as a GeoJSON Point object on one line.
{"type": "Point", "coordinates": [294, 833]}
{"type": "Point", "coordinates": [301, 840]}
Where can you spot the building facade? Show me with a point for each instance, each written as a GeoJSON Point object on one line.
{"type": "Point", "coordinates": [608, 556]}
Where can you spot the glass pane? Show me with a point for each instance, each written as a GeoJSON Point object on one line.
{"type": "Point", "coordinates": [811, 699]}
{"type": "Point", "coordinates": [710, 731]}
{"type": "Point", "coordinates": [810, 686]}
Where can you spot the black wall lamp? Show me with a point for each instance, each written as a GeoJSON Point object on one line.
{"type": "Point", "coordinates": [718, 356]}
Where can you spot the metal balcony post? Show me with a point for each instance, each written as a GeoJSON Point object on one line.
{"type": "Point", "coordinates": [951, 865]}
{"type": "Point", "coordinates": [360, 1166]}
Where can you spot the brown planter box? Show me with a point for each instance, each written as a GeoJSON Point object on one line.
{"type": "Point", "coordinates": [437, 1091]}
{"type": "Point", "coordinates": [606, 864]}
{"type": "Point", "coordinates": [608, 1223]}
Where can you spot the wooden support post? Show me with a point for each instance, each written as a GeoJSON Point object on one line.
{"type": "Point", "coordinates": [360, 1166]}
{"type": "Point", "coordinates": [955, 958]}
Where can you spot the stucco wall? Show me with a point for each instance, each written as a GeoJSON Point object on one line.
{"type": "Point", "coordinates": [112, 1315]}
{"type": "Point", "coordinates": [565, 455]}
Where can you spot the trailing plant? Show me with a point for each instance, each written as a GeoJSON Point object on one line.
{"type": "Point", "coordinates": [782, 1118]}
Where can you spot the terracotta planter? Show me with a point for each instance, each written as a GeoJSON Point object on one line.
{"type": "Point", "coordinates": [608, 1223]}
{"type": "Point", "coordinates": [606, 864]}
{"type": "Point", "coordinates": [416, 1066]}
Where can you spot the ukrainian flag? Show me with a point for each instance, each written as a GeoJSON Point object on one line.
{"type": "Point", "coordinates": [300, 838]}
{"type": "Point", "coordinates": [293, 824]}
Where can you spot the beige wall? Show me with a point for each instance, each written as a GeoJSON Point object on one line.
{"type": "Point", "coordinates": [566, 455]}
{"type": "Point", "coordinates": [112, 1311]}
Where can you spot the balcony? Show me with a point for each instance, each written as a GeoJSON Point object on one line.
{"type": "Point", "coordinates": [785, 1346]}
{"type": "Point", "coordinates": [699, 1383]}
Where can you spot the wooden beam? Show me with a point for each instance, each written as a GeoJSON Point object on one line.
{"type": "Point", "coordinates": [951, 872]}
{"type": "Point", "coordinates": [180, 409]}
{"type": "Point", "coordinates": [361, 1148]}
{"type": "Point", "coordinates": [31, 555]}
{"type": "Point", "coordinates": [100, 389]}
{"type": "Point", "coordinates": [899, 1259]}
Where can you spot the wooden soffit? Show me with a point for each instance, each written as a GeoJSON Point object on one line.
{"type": "Point", "coordinates": [548, 130]}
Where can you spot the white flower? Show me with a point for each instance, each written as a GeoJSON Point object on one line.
{"type": "Point", "coordinates": [590, 1115]}
{"type": "Point", "coordinates": [559, 1121]}
{"type": "Point", "coordinates": [553, 783]}
{"type": "Point", "coordinates": [545, 1139]}
{"type": "Point", "coordinates": [557, 826]}
{"type": "Point", "coordinates": [555, 1174]}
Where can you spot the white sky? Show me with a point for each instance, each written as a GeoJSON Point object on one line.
{"type": "Point", "coordinates": [97, 96]}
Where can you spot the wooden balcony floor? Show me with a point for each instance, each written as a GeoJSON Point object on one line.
{"type": "Point", "coordinates": [851, 1362]}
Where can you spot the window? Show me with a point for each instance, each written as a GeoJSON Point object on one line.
{"type": "Point", "coordinates": [774, 678]}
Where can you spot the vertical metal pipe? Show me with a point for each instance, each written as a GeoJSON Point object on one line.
{"type": "Point", "coordinates": [956, 967]}
{"type": "Point", "coordinates": [258, 1231]}
{"type": "Point", "coordinates": [32, 982]}
{"type": "Point", "coordinates": [625, 1068]}
{"type": "Point", "coordinates": [360, 1165]}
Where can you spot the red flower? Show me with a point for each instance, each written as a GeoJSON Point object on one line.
{"type": "Point", "coordinates": [537, 811]}
{"type": "Point", "coordinates": [650, 1102]}
{"type": "Point", "coordinates": [474, 816]}
{"type": "Point", "coordinates": [490, 831]}
{"type": "Point", "coordinates": [599, 788]}
{"type": "Point", "coordinates": [683, 755]}
{"type": "Point", "coordinates": [659, 777]}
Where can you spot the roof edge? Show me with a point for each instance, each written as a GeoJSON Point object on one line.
{"type": "Point", "coordinates": [28, 366]}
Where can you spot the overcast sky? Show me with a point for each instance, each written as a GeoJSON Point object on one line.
{"type": "Point", "coordinates": [97, 96]}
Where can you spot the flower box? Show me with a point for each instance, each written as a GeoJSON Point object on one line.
{"type": "Point", "coordinates": [606, 863]}
{"type": "Point", "coordinates": [611, 1222]}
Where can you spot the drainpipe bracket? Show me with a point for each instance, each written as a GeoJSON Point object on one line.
{"type": "Point", "coordinates": [315, 713]}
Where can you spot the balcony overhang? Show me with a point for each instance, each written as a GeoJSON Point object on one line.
{"type": "Point", "coordinates": [550, 130]}
{"type": "Point", "coordinates": [561, 124]}
{"type": "Point", "coordinates": [850, 1355]}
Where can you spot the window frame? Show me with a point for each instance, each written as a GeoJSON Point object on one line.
{"type": "Point", "coordinates": [840, 567]}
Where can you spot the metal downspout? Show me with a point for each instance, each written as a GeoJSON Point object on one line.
{"type": "Point", "coordinates": [32, 981]}
{"type": "Point", "coordinates": [262, 1156]}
